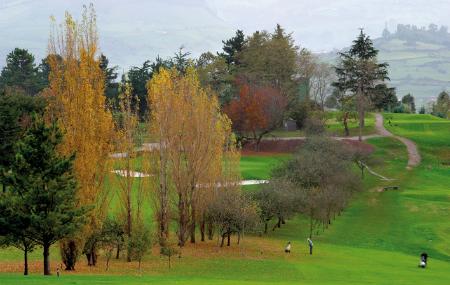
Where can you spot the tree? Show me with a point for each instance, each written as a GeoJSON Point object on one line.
{"type": "Point", "coordinates": [231, 49]}
{"type": "Point", "coordinates": [111, 86]}
{"type": "Point", "coordinates": [15, 114]}
{"type": "Point", "coordinates": [442, 106]}
{"type": "Point", "coordinates": [321, 83]}
{"type": "Point", "coordinates": [21, 72]}
{"type": "Point", "coordinates": [43, 188]}
{"type": "Point", "coordinates": [256, 112]}
{"type": "Point", "coordinates": [128, 134]}
{"type": "Point", "coordinates": [213, 73]}
{"type": "Point", "coordinates": [358, 72]}
{"type": "Point", "coordinates": [192, 135]}
{"type": "Point", "coordinates": [271, 60]}
{"type": "Point", "coordinates": [232, 212]}
{"type": "Point", "coordinates": [76, 92]}
{"type": "Point", "coordinates": [321, 174]}
{"type": "Point", "coordinates": [138, 77]}
{"type": "Point", "coordinates": [384, 98]}
{"type": "Point", "coordinates": [408, 102]}
{"type": "Point", "coordinates": [140, 242]}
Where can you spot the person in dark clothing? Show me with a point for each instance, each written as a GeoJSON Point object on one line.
{"type": "Point", "coordinates": [310, 246]}
{"type": "Point", "coordinates": [423, 260]}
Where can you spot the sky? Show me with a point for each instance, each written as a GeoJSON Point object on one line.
{"type": "Point", "coordinates": [133, 31]}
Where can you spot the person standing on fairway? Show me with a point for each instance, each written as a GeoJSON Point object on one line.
{"type": "Point", "coordinates": [287, 249]}
{"type": "Point", "coordinates": [310, 246]}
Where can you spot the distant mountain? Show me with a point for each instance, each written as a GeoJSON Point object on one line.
{"type": "Point", "coordinates": [419, 60]}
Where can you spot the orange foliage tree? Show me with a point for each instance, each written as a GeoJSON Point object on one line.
{"type": "Point", "coordinates": [76, 91]}
{"type": "Point", "coordinates": [192, 134]}
{"type": "Point", "coordinates": [256, 112]}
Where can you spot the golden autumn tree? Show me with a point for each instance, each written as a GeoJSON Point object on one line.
{"type": "Point", "coordinates": [131, 182]}
{"type": "Point", "coordinates": [76, 89]}
{"type": "Point", "coordinates": [192, 134]}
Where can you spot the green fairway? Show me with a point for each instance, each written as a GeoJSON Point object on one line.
{"type": "Point", "coordinates": [376, 240]}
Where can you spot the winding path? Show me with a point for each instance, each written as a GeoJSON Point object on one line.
{"type": "Point", "coordinates": [413, 153]}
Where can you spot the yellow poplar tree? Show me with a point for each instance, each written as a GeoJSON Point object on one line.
{"type": "Point", "coordinates": [76, 89]}
{"type": "Point", "coordinates": [127, 126]}
{"type": "Point", "coordinates": [192, 134]}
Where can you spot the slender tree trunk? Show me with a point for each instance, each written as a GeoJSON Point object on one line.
{"type": "Point", "coordinates": [25, 260]}
{"type": "Point", "coordinates": [310, 225]}
{"type": "Point", "coordinates": [361, 113]}
{"type": "Point", "coordinates": [202, 230]}
{"type": "Point", "coordinates": [46, 247]}
{"type": "Point", "coordinates": [265, 227]}
{"type": "Point", "coordinates": [118, 251]}
{"type": "Point", "coordinates": [182, 221]}
{"type": "Point", "coordinates": [223, 239]}
{"type": "Point", "coordinates": [210, 230]}
{"type": "Point", "coordinates": [345, 119]}
{"type": "Point", "coordinates": [229, 238]}
{"type": "Point", "coordinates": [193, 222]}
{"type": "Point", "coordinates": [239, 238]}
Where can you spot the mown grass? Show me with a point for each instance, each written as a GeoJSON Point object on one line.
{"type": "Point", "coordinates": [376, 240]}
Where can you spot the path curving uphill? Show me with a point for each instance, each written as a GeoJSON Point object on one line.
{"type": "Point", "coordinates": [413, 153]}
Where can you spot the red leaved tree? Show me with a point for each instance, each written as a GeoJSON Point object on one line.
{"type": "Point", "coordinates": [256, 112]}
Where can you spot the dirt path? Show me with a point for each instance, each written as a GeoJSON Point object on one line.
{"type": "Point", "coordinates": [413, 153]}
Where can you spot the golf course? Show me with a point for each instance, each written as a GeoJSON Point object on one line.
{"type": "Point", "coordinates": [376, 240]}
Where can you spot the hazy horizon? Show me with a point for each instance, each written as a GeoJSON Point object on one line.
{"type": "Point", "coordinates": [135, 31]}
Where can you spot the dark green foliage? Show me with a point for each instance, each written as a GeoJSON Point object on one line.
{"type": "Point", "coordinates": [408, 101]}
{"type": "Point", "coordinates": [232, 47]}
{"type": "Point", "coordinates": [15, 114]}
{"type": "Point", "coordinates": [384, 98]}
{"type": "Point", "coordinates": [42, 188]}
{"type": "Point", "coordinates": [111, 86]}
{"type": "Point", "coordinates": [140, 242]}
{"type": "Point", "coordinates": [21, 72]}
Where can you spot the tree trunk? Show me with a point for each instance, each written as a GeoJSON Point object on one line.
{"type": "Point", "coordinates": [118, 251]}
{"type": "Point", "coordinates": [345, 119]}
{"type": "Point", "coordinates": [239, 238]}
{"type": "Point", "coordinates": [361, 114]}
{"type": "Point", "coordinates": [69, 253]}
{"type": "Point", "coordinates": [265, 227]}
{"type": "Point", "coordinates": [46, 247]}
{"type": "Point", "coordinates": [310, 225]}
{"type": "Point", "coordinates": [223, 239]}
{"type": "Point", "coordinates": [202, 230]}
{"type": "Point", "coordinates": [210, 230]}
{"type": "Point", "coordinates": [192, 227]}
{"type": "Point", "coordinates": [229, 238]}
{"type": "Point", "coordinates": [182, 221]}
{"type": "Point", "coordinates": [25, 260]}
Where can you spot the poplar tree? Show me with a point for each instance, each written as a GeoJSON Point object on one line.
{"type": "Point", "coordinates": [77, 85]}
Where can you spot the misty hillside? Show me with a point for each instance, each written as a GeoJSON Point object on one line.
{"type": "Point", "coordinates": [419, 60]}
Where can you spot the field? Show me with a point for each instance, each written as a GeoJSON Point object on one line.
{"type": "Point", "coordinates": [377, 240]}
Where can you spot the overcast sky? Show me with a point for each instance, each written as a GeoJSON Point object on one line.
{"type": "Point", "coordinates": [132, 31]}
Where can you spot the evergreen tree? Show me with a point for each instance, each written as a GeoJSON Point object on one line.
{"type": "Point", "coordinates": [442, 106]}
{"type": "Point", "coordinates": [384, 98]}
{"type": "Point", "coordinates": [359, 72]}
{"type": "Point", "coordinates": [232, 47]}
{"type": "Point", "coordinates": [42, 188]}
{"type": "Point", "coordinates": [21, 72]}
{"type": "Point", "coordinates": [111, 86]}
{"type": "Point", "coordinates": [15, 110]}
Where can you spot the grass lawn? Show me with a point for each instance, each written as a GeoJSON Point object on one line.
{"type": "Point", "coordinates": [376, 240]}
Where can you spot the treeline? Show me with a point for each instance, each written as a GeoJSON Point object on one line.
{"type": "Point", "coordinates": [411, 34]}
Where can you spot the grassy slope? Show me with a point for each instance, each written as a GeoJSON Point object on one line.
{"type": "Point", "coordinates": [376, 240]}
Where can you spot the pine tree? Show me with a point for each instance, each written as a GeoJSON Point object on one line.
{"type": "Point", "coordinates": [43, 188]}
{"type": "Point", "coordinates": [232, 47]}
{"type": "Point", "coordinates": [358, 73]}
